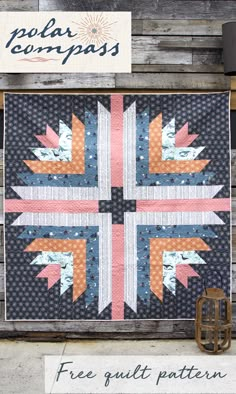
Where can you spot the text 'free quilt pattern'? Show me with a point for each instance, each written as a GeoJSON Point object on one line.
{"type": "Point", "coordinates": [116, 206]}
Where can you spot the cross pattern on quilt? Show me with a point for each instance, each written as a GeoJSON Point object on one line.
{"type": "Point", "coordinates": [118, 210]}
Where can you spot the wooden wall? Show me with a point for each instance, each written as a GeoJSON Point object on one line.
{"type": "Point", "coordinates": [177, 46]}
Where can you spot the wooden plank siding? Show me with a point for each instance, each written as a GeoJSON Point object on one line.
{"type": "Point", "coordinates": [19, 5]}
{"type": "Point", "coordinates": [184, 27]}
{"type": "Point", "coordinates": [176, 47]}
{"type": "Point", "coordinates": [150, 9]}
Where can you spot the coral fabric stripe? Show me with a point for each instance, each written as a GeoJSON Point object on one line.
{"type": "Point", "coordinates": [183, 272]}
{"type": "Point", "coordinates": [55, 245]}
{"type": "Point", "coordinates": [50, 140]}
{"type": "Point", "coordinates": [195, 205]}
{"type": "Point", "coordinates": [117, 140]}
{"type": "Point", "coordinates": [76, 166]}
{"type": "Point", "coordinates": [52, 272]}
{"type": "Point", "coordinates": [183, 139]}
{"type": "Point", "coordinates": [179, 244]}
{"type": "Point", "coordinates": [67, 206]}
{"type": "Point", "coordinates": [155, 143]}
{"type": "Point", "coordinates": [156, 270]}
{"type": "Point", "coordinates": [117, 272]}
{"type": "Point", "coordinates": [79, 272]}
{"type": "Point", "coordinates": [179, 166]}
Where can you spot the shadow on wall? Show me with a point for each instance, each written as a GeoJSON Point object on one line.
{"type": "Point", "coordinates": [233, 129]}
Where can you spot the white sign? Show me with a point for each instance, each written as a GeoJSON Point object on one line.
{"type": "Point", "coordinates": [140, 374]}
{"type": "Point", "coordinates": [63, 42]}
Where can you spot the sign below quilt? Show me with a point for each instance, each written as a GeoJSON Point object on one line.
{"type": "Point", "coordinates": [117, 206]}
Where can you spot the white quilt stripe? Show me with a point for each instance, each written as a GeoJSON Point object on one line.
{"type": "Point", "coordinates": [139, 193]}
{"type": "Point", "coordinates": [57, 219]}
{"type": "Point", "coordinates": [105, 261]}
{"type": "Point", "coordinates": [176, 218]}
{"type": "Point", "coordinates": [104, 152]}
{"type": "Point", "coordinates": [130, 279]}
{"type": "Point", "coordinates": [175, 192]}
{"type": "Point", "coordinates": [129, 152]}
{"type": "Point", "coordinates": [56, 193]}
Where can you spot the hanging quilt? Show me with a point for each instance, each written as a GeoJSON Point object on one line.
{"type": "Point", "coordinates": [117, 206]}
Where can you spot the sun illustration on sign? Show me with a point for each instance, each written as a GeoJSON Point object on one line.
{"type": "Point", "coordinates": [95, 29]}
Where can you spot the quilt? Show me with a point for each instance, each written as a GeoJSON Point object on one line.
{"type": "Point", "coordinates": [116, 206]}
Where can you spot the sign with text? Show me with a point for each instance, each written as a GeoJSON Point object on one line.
{"type": "Point", "coordinates": [64, 42]}
{"type": "Point", "coordinates": [139, 374]}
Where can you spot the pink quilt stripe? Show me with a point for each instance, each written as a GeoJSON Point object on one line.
{"type": "Point", "coordinates": [117, 272]}
{"type": "Point", "coordinates": [51, 206]}
{"type": "Point", "coordinates": [52, 272]}
{"type": "Point", "coordinates": [183, 272]}
{"type": "Point", "coordinates": [50, 140]}
{"type": "Point", "coordinates": [183, 139]}
{"type": "Point", "coordinates": [117, 140]}
{"type": "Point", "coordinates": [195, 205]}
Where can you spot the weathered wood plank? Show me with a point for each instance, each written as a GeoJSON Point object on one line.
{"type": "Point", "coordinates": [1, 255]}
{"type": "Point", "coordinates": [145, 50]}
{"type": "Point", "coordinates": [234, 224]}
{"type": "Point", "coordinates": [1, 235]}
{"type": "Point", "coordinates": [19, 5]}
{"type": "Point", "coordinates": [1, 282]}
{"type": "Point", "coordinates": [178, 68]}
{"type": "Point", "coordinates": [233, 83]}
{"type": "Point", "coordinates": [234, 278]}
{"type": "Point", "coordinates": [1, 161]}
{"type": "Point", "coordinates": [233, 190]}
{"type": "Point", "coordinates": [172, 81]}
{"type": "Point", "coordinates": [56, 81]}
{"type": "Point", "coordinates": [137, 27]}
{"type": "Point", "coordinates": [233, 170]}
{"type": "Point", "coordinates": [190, 42]}
{"type": "Point", "coordinates": [150, 9]}
{"type": "Point", "coordinates": [1, 205]}
{"type": "Point", "coordinates": [233, 100]}
{"type": "Point", "coordinates": [207, 56]}
{"type": "Point", "coordinates": [233, 241]}
{"type": "Point", "coordinates": [184, 27]}
{"type": "Point", "coordinates": [1, 199]}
